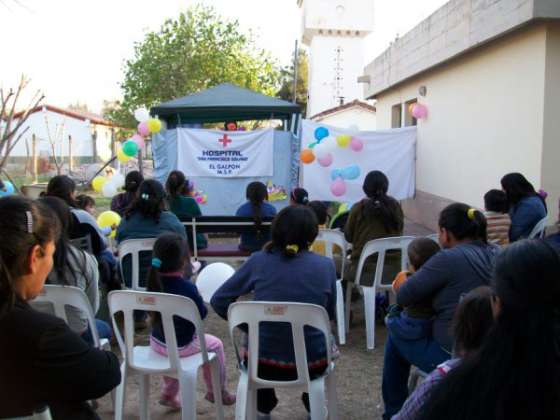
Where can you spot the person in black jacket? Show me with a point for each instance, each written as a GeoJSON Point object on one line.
{"type": "Point", "coordinates": [42, 362]}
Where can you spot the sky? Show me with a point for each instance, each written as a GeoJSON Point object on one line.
{"type": "Point", "coordinates": [74, 50]}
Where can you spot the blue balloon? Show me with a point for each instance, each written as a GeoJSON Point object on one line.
{"type": "Point", "coordinates": [351, 172]}
{"type": "Point", "coordinates": [336, 173]}
{"type": "Point", "coordinates": [7, 190]}
{"type": "Point", "coordinates": [321, 133]}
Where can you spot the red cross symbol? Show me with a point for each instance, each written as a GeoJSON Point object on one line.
{"type": "Point", "coordinates": [225, 140]}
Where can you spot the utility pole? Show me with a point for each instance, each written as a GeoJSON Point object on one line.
{"type": "Point", "coordinates": [295, 71]}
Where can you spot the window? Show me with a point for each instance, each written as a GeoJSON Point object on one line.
{"type": "Point", "coordinates": [409, 120]}
{"type": "Point", "coordinates": [396, 116]}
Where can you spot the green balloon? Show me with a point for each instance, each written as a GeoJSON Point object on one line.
{"type": "Point", "coordinates": [130, 148]}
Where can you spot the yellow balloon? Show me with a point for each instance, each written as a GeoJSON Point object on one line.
{"type": "Point", "coordinates": [154, 125]}
{"type": "Point", "coordinates": [122, 157]}
{"type": "Point", "coordinates": [109, 219]}
{"type": "Point", "coordinates": [343, 140]}
{"type": "Point", "coordinates": [98, 183]}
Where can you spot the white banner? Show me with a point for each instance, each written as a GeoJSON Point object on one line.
{"type": "Point", "coordinates": [225, 154]}
{"type": "Point", "coordinates": [345, 157]}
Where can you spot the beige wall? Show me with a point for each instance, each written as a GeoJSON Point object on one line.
{"type": "Point", "coordinates": [485, 117]}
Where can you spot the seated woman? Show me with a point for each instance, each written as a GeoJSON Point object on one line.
{"type": "Point", "coordinates": [43, 363]}
{"type": "Point", "coordinates": [120, 202]}
{"type": "Point", "coordinates": [465, 263]}
{"type": "Point", "coordinates": [471, 324]}
{"type": "Point", "coordinates": [286, 271]}
{"type": "Point", "coordinates": [527, 208]}
{"type": "Point", "coordinates": [516, 372]}
{"type": "Point", "coordinates": [183, 205]}
{"type": "Point", "coordinates": [147, 217]}
{"type": "Point", "coordinates": [257, 208]}
{"type": "Point", "coordinates": [74, 267]}
{"type": "Point", "coordinates": [299, 197]}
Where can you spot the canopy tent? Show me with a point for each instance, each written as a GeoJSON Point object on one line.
{"type": "Point", "coordinates": [225, 102]}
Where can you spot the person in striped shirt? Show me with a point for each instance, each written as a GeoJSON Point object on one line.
{"type": "Point", "coordinates": [497, 217]}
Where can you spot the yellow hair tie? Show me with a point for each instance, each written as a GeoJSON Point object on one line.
{"type": "Point", "coordinates": [471, 214]}
{"type": "Point", "coordinates": [293, 249]}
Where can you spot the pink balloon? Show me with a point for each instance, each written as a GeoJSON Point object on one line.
{"type": "Point", "coordinates": [338, 187]}
{"type": "Point", "coordinates": [419, 111]}
{"type": "Point", "coordinates": [143, 129]}
{"type": "Point", "coordinates": [356, 144]}
{"type": "Point", "coordinates": [326, 160]}
{"type": "Point", "coordinates": [139, 140]}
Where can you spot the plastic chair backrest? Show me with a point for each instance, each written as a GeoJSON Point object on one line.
{"type": "Point", "coordinates": [333, 238]}
{"type": "Point", "coordinates": [539, 229]}
{"type": "Point", "coordinates": [43, 415]}
{"type": "Point", "coordinates": [298, 315]}
{"type": "Point", "coordinates": [168, 305]}
{"type": "Point", "coordinates": [62, 296]}
{"type": "Point", "coordinates": [380, 247]}
{"type": "Point", "coordinates": [211, 278]}
{"type": "Point", "coordinates": [134, 247]}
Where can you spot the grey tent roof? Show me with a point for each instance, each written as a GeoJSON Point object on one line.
{"type": "Point", "coordinates": [225, 102]}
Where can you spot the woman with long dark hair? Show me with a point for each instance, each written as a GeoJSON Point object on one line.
{"type": "Point", "coordinates": [527, 208]}
{"type": "Point", "coordinates": [43, 363]}
{"type": "Point", "coordinates": [465, 263]}
{"type": "Point", "coordinates": [257, 208]}
{"type": "Point", "coordinates": [120, 202]}
{"type": "Point", "coordinates": [516, 372]}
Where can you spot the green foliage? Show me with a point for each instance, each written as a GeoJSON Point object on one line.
{"type": "Point", "coordinates": [286, 92]}
{"type": "Point", "coordinates": [196, 51]}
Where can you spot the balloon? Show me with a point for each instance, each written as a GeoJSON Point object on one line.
{"type": "Point", "coordinates": [143, 129]}
{"type": "Point", "coordinates": [109, 219]}
{"type": "Point", "coordinates": [351, 173]}
{"type": "Point", "coordinates": [313, 145]}
{"type": "Point", "coordinates": [154, 125]}
{"type": "Point", "coordinates": [343, 140]}
{"type": "Point", "coordinates": [419, 111]}
{"type": "Point", "coordinates": [321, 133]}
{"type": "Point", "coordinates": [117, 180]}
{"type": "Point", "coordinates": [326, 161]}
{"type": "Point", "coordinates": [122, 157]}
{"type": "Point", "coordinates": [130, 148]}
{"type": "Point", "coordinates": [98, 183]}
{"type": "Point", "coordinates": [307, 156]}
{"type": "Point", "coordinates": [8, 189]}
{"type": "Point", "coordinates": [356, 144]}
{"type": "Point", "coordinates": [139, 140]}
{"type": "Point", "coordinates": [109, 190]}
{"type": "Point", "coordinates": [338, 187]}
{"type": "Point", "coordinates": [142, 115]}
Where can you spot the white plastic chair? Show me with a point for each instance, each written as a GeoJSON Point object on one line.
{"type": "Point", "coordinates": [298, 315]}
{"type": "Point", "coordinates": [211, 278]}
{"type": "Point", "coordinates": [539, 229]}
{"type": "Point", "coordinates": [43, 415]}
{"type": "Point", "coordinates": [134, 247]}
{"type": "Point", "coordinates": [379, 247]}
{"type": "Point", "coordinates": [333, 238]}
{"type": "Point", "coordinates": [144, 361]}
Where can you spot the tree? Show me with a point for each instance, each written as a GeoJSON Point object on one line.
{"type": "Point", "coordinates": [196, 51]}
{"type": "Point", "coordinates": [286, 91]}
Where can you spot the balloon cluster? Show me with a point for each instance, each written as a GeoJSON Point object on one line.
{"type": "Point", "coordinates": [418, 111]}
{"type": "Point", "coordinates": [323, 150]}
{"type": "Point", "coordinates": [146, 126]}
{"type": "Point", "coordinates": [108, 186]}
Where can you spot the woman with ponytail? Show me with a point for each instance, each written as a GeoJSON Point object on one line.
{"type": "Point", "coordinates": [171, 272]}
{"type": "Point", "coordinates": [377, 216]}
{"type": "Point", "coordinates": [516, 372]}
{"type": "Point", "coordinates": [285, 271]}
{"type": "Point", "coordinates": [257, 208]}
{"type": "Point", "coordinates": [43, 363]}
{"type": "Point", "coordinates": [120, 202]}
{"type": "Point", "coordinates": [465, 263]}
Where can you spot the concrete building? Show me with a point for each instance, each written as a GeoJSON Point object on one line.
{"type": "Point", "coordinates": [489, 74]}
{"type": "Point", "coordinates": [334, 31]}
{"type": "Point", "coordinates": [355, 115]}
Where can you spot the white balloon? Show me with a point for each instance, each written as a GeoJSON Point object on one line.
{"type": "Point", "coordinates": [142, 115]}
{"type": "Point", "coordinates": [117, 180]}
{"type": "Point", "coordinates": [109, 190]}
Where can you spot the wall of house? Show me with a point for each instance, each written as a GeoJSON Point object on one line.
{"type": "Point", "coordinates": [351, 118]}
{"type": "Point", "coordinates": [486, 118]}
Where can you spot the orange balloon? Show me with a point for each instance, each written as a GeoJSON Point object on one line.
{"type": "Point", "coordinates": [307, 156]}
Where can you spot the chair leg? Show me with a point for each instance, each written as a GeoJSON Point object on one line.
{"type": "Point", "coordinates": [242, 397]}
{"type": "Point", "coordinates": [120, 393]}
{"type": "Point", "coordinates": [349, 286]}
{"type": "Point", "coordinates": [340, 316]}
{"type": "Point", "coordinates": [332, 399]}
{"type": "Point", "coordinates": [217, 387]}
{"type": "Point", "coordinates": [187, 381]}
{"type": "Point", "coordinates": [144, 397]}
{"type": "Point", "coordinates": [317, 401]}
{"type": "Point", "coordinates": [369, 309]}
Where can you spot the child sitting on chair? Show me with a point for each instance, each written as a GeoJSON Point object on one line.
{"type": "Point", "coordinates": [322, 214]}
{"type": "Point", "coordinates": [414, 321]}
{"type": "Point", "coordinates": [170, 262]}
{"type": "Point", "coordinates": [497, 217]}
